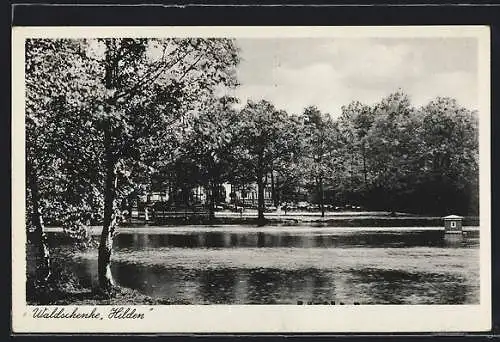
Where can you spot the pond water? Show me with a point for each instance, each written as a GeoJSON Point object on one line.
{"type": "Point", "coordinates": [280, 266]}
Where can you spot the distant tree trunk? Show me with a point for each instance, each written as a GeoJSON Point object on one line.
{"type": "Point", "coordinates": [278, 190]}
{"type": "Point", "coordinates": [211, 203]}
{"type": "Point", "coordinates": [260, 188]}
{"type": "Point", "coordinates": [352, 173]}
{"type": "Point", "coordinates": [43, 267]}
{"type": "Point", "coordinates": [130, 205]}
{"type": "Point", "coordinates": [321, 197]}
{"type": "Point", "coordinates": [273, 190]}
{"type": "Point", "coordinates": [234, 197]}
{"type": "Point", "coordinates": [260, 192]}
{"type": "Point", "coordinates": [106, 282]}
{"type": "Point", "coordinates": [260, 198]}
{"type": "Point", "coordinates": [363, 153]}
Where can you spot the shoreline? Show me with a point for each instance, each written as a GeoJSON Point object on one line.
{"type": "Point", "coordinates": [153, 229]}
{"type": "Point", "coordinates": [334, 222]}
{"type": "Point", "coordinates": [248, 219]}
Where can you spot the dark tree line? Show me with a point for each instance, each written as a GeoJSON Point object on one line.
{"type": "Point", "coordinates": [388, 156]}
{"type": "Point", "coordinates": [422, 160]}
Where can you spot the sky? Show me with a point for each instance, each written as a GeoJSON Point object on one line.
{"type": "Point", "coordinates": [294, 73]}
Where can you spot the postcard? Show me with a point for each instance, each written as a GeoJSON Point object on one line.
{"type": "Point", "coordinates": [251, 179]}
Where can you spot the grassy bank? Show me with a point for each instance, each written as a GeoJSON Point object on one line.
{"type": "Point", "coordinates": [64, 288]}
{"type": "Point", "coordinates": [332, 219]}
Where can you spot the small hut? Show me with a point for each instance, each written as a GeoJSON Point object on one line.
{"type": "Point", "coordinates": [453, 224]}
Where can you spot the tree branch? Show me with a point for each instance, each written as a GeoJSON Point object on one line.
{"type": "Point", "coordinates": [149, 77]}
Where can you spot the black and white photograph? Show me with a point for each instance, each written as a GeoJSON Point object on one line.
{"type": "Point", "coordinates": [297, 169]}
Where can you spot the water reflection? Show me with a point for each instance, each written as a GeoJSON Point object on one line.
{"type": "Point", "coordinates": [404, 287]}
{"type": "Point", "coordinates": [287, 267]}
{"type": "Point", "coordinates": [287, 239]}
{"type": "Point", "coordinates": [278, 286]}
{"type": "Point", "coordinates": [218, 286]}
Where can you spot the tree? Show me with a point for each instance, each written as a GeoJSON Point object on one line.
{"type": "Point", "coordinates": [321, 150]}
{"type": "Point", "coordinates": [119, 102]}
{"type": "Point", "coordinates": [422, 160]}
{"type": "Point", "coordinates": [354, 124]}
{"type": "Point", "coordinates": [448, 157]}
{"type": "Point", "coordinates": [57, 112]}
{"type": "Point", "coordinates": [391, 149]}
{"type": "Point", "coordinates": [134, 68]}
{"type": "Point", "coordinates": [267, 139]}
{"type": "Point", "coordinates": [209, 146]}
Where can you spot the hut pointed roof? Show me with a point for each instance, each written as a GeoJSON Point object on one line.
{"type": "Point", "coordinates": [453, 217]}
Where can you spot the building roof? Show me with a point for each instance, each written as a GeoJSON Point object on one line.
{"type": "Point", "coordinates": [453, 217]}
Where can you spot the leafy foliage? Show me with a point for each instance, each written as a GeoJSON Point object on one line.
{"type": "Point", "coordinates": [99, 112]}
{"type": "Point", "coordinates": [60, 138]}
{"type": "Point", "coordinates": [267, 141]}
{"type": "Point", "coordinates": [397, 157]}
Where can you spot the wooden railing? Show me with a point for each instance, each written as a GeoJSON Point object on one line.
{"type": "Point", "coordinates": [158, 214]}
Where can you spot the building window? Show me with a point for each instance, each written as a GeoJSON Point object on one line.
{"type": "Point", "coordinates": [453, 224]}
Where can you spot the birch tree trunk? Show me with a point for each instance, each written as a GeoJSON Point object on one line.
{"type": "Point", "coordinates": [43, 262]}
{"type": "Point", "coordinates": [106, 281]}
